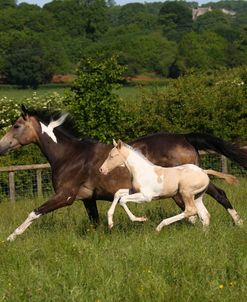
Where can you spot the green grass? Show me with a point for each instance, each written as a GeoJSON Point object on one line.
{"type": "Point", "coordinates": [128, 94]}
{"type": "Point", "coordinates": [62, 258]}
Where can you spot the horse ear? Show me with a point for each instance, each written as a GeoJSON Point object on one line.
{"type": "Point", "coordinates": [114, 143]}
{"type": "Point", "coordinates": [24, 112]}
{"type": "Point", "coordinates": [119, 144]}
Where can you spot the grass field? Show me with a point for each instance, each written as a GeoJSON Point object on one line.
{"type": "Point", "coordinates": [128, 94]}
{"type": "Point", "coordinates": [62, 258]}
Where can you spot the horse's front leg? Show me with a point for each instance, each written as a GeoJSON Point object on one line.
{"type": "Point", "coordinates": [137, 198]}
{"type": "Point", "coordinates": [56, 202]}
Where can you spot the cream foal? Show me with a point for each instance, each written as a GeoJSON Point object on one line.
{"type": "Point", "coordinates": [149, 181]}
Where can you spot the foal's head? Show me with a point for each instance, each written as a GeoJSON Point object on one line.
{"type": "Point", "coordinates": [116, 158]}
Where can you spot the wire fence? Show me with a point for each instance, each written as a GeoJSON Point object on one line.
{"type": "Point", "coordinates": [30, 181]}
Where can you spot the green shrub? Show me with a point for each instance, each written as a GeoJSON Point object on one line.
{"type": "Point", "coordinates": [92, 102]}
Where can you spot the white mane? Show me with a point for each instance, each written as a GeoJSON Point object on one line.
{"type": "Point", "coordinates": [139, 153]}
{"type": "Point", "coordinates": [52, 125]}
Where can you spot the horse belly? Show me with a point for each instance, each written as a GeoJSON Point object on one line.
{"type": "Point", "coordinates": [194, 181]}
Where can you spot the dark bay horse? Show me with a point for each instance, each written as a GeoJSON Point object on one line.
{"type": "Point", "coordinates": [75, 162]}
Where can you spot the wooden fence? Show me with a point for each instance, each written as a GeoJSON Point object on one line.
{"type": "Point", "coordinates": [11, 170]}
{"type": "Point", "coordinates": [10, 191]}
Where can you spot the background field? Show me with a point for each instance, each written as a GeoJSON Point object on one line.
{"type": "Point", "coordinates": [62, 258]}
{"type": "Point", "coordinates": [128, 94]}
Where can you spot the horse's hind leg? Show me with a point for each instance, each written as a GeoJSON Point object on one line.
{"type": "Point", "coordinates": [190, 210]}
{"type": "Point", "coordinates": [220, 196]}
{"type": "Point", "coordinates": [179, 201]}
{"type": "Point", "coordinates": [202, 212]}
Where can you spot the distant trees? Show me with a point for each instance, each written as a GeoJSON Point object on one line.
{"type": "Point", "coordinates": [158, 38]}
{"type": "Point", "coordinates": [203, 51]}
{"type": "Point", "coordinates": [31, 60]}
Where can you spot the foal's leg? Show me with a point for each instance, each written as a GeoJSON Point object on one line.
{"type": "Point", "coordinates": [190, 210]}
{"type": "Point", "coordinates": [179, 201]}
{"type": "Point", "coordinates": [112, 208]}
{"type": "Point", "coordinates": [60, 200]}
{"type": "Point", "coordinates": [202, 211]}
{"type": "Point", "coordinates": [138, 198]}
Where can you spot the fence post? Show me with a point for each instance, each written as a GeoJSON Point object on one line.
{"type": "Point", "coordinates": [224, 165]}
{"type": "Point", "coordinates": [39, 183]}
{"type": "Point", "coordinates": [12, 186]}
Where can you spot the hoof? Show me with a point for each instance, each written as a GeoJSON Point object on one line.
{"type": "Point", "coordinates": [158, 229]}
{"type": "Point", "coordinates": [141, 219]}
{"type": "Point", "coordinates": [11, 237]}
{"type": "Point", "coordinates": [240, 222]}
{"type": "Point", "coordinates": [110, 226]}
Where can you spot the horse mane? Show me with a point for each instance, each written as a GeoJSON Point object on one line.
{"type": "Point", "coordinates": [68, 127]}
{"type": "Point", "coordinates": [139, 153]}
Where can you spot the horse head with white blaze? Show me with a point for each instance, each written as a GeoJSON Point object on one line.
{"type": "Point", "coordinates": [188, 182]}
{"type": "Point", "coordinates": [29, 129]}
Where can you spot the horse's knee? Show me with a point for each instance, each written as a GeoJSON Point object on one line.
{"type": "Point", "coordinates": [190, 211]}
{"type": "Point", "coordinates": [122, 200]}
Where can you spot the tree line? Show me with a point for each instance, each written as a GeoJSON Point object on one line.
{"type": "Point", "coordinates": [157, 38]}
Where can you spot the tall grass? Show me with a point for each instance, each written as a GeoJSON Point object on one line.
{"type": "Point", "coordinates": [61, 257]}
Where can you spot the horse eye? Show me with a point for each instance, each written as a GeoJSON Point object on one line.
{"type": "Point", "coordinates": [16, 126]}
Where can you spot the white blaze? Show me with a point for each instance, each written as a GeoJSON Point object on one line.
{"type": "Point", "coordinates": [51, 126]}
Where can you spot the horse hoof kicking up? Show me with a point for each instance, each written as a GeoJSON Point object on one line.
{"type": "Point", "coordinates": [187, 182]}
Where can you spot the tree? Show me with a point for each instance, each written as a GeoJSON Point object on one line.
{"type": "Point", "coordinates": [7, 3]}
{"type": "Point", "coordinates": [175, 18]}
{"type": "Point", "coordinates": [31, 59]}
{"type": "Point", "coordinates": [204, 51]}
{"type": "Point", "coordinates": [92, 102]}
{"type": "Point", "coordinates": [141, 53]}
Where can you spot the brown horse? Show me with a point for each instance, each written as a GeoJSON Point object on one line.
{"type": "Point", "coordinates": [75, 162]}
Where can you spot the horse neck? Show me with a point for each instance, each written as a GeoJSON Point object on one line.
{"type": "Point", "coordinates": [137, 163]}
{"type": "Point", "coordinates": [54, 152]}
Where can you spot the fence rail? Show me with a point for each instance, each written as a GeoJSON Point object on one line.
{"type": "Point", "coordinates": [11, 186]}
{"type": "Point", "coordinates": [35, 180]}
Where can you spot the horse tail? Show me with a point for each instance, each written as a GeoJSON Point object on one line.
{"type": "Point", "coordinates": [218, 145]}
{"type": "Point", "coordinates": [227, 177]}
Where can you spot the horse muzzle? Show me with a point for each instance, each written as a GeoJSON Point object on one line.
{"type": "Point", "coordinates": [103, 171]}
{"type": "Point", "coordinates": [8, 145]}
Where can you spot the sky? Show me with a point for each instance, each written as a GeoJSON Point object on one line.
{"type": "Point", "coordinates": [119, 2]}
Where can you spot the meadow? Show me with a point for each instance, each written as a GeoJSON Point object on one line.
{"type": "Point", "coordinates": [128, 94]}
{"type": "Point", "coordinates": [61, 257]}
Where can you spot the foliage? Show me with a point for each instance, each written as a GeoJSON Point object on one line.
{"type": "Point", "coordinates": [146, 37]}
{"type": "Point", "coordinates": [28, 60]}
{"type": "Point", "coordinates": [141, 53]}
{"type": "Point", "coordinates": [175, 18]}
{"type": "Point", "coordinates": [92, 102]}
{"type": "Point", "coordinates": [203, 51]}
{"type": "Point", "coordinates": [208, 103]}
